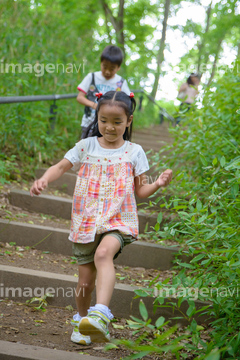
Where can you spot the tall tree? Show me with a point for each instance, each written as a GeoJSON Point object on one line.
{"type": "Point", "coordinates": [116, 21]}
{"type": "Point", "coordinates": [219, 45]}
{"type": "Point", "coordinates": [127, 24]}
{"type": "Point", "coordinates": [201, 44]}
{"type": "Point", "coordinates": [160, 54]}
{"type": "Point", "coordinates": [221, 27]}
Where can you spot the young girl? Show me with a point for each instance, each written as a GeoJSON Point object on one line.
{"type": "Point", "coordinates": [189, 90]}
{"type": "Point", "coordinates": [104, 212]}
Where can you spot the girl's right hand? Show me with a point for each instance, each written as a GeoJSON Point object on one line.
{"type": "Point", "coordinates": [38, 186]}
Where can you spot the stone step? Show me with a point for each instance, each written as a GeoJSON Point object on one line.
{"type": "Point", "coordinates": [15, 351]}
{"type": "Point", "coordinates": [65, 183]}
{"type": "Point", "coordinates": [137, 254]}
{"type": "Point", "coordinates": [60, 206]}
{"type": "Point", "coordinates": [21, 284]}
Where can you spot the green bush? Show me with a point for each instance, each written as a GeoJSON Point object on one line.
{"type": "Point", "coordinates": [206, 201]}
{"type": "Point", "coordinates": [33, 39]}
{"type": "Point", "coordinates": [205, 158]}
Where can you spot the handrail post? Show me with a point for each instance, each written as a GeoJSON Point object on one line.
{"type": "Point", "coordinates": [53, 114]}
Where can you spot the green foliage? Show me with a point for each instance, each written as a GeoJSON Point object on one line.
{"type": "Point", "coordinates": [45, 50]}
{"type": "Point", "coordinates": [206, 203]}
{"type": "Point", "coordinates": [168, 106]}
{"type": "Point", "coordinates": [160, 340]}
{"type": "Point", "coordinates": [148, 115]}
{"type": "Point", "coordinates": [8, 168]}
{"type": "Point", "coordinates": [42, 39]}
{"type": "Point", "coordinates": [205, 209]}
{"type": "Point", "coordinates": [222, 19]}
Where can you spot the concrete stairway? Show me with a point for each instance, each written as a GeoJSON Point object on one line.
{"type": "Point", "coordinates": [139, 254]}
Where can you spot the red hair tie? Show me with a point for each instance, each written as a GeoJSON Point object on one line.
{"type": "Point", "coordinates": [131, 95]}
{"type": "Point", "coordinates": [98, 95]}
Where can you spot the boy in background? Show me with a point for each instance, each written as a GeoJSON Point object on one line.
{"type": "Point", "coordinates": [101, 81]}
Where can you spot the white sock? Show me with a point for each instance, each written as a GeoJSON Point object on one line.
{"type": "Point", "coordinates": [77, 317]}
{"type": "Point", "coordinates": [103, 309]}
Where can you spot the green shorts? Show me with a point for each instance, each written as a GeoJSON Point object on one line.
{"type": "Point", "coordinates": [85, 252]}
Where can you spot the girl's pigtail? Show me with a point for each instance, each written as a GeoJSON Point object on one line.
{"type": "Point", "coordinates": [133, 102]}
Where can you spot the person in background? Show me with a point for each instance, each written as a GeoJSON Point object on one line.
{"type": "Point", "coordinates": [101, 81]}
{"type": "Point", "coordinates": [188, 92]}
{"type": "Point", "coordinates": [104, 213]}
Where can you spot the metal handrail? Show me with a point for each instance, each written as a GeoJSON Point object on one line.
{"type": "Point", "coordinates": [32, 98]}
{"type": "Point", "coordinates": [162, 110]}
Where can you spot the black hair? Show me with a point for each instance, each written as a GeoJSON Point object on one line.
{"type": "Point", "coordinates": [113, 54]}
{"type": "Point", "coordinates": [189, 79]}
{"type": "Point", "coordinates": [113, 98]}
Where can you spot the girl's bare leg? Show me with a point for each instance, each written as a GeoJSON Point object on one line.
{"type": "Point", "coordinates": [106, 277]}
{"type": "Point", "coordinates": [85, 287]}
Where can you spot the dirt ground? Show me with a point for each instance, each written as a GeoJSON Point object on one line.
{"type": "Point", "coordinates": [52, 329]}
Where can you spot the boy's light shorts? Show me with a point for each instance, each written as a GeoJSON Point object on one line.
{"type": "Point", "coordinates": [85, 252]}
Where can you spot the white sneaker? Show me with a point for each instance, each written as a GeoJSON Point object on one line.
{"type": "Point", "coordinates": [78, 338]}
{"type": "Point", "coordinates": [95, 325]}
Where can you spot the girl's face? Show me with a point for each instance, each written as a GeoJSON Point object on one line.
{"type": "Point", "coordinates": [195, 80]}
{"type": "Point", "coordinates": [112, 123]}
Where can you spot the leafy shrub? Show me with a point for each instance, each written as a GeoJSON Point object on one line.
{"type": "Point", "coordinates": [205, 159]}
{"type": "Point", "coordinates": [38, 60]}
{"type": "Point", "coordinates": [206, 201]}
{"type": "Point", "coordinates": [8, 169]}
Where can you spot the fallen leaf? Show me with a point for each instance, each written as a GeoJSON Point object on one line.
{"type": "Point", "coordinates": [116, 326]}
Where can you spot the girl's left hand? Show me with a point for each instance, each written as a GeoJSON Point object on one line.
{"type": "Point", "coordinates": [165, 178]}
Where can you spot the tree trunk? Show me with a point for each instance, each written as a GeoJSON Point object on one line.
{"type": "Point", "coordinates": [106, 23]}
{"type": "Point", "coordinates": [215, 62]}
{"type": "Point", "coordinates": [117, 22]}
{"type": "Point", "coordinates": [238, 54]}
{"type": "Point", "coordinates": [201, 45]}
{"type": "Point", "coordinates": [160, 55]}
{"type": "Point", "coordinates": [120, 34]}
